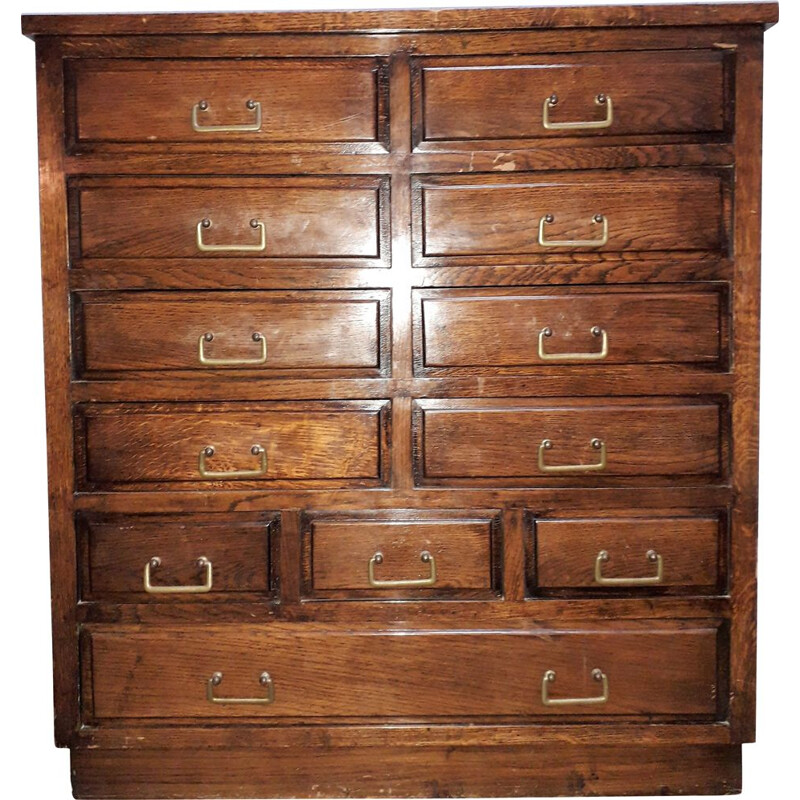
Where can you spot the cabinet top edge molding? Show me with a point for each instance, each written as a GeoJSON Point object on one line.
{"type": "Point", "coordinates": [401, 21]}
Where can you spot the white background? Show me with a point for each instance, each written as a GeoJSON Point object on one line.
{"type": "Point", "coordinates": [32, 767]}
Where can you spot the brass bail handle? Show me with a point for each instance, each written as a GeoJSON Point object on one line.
{"type": "Point", "coordinates": [426, 558]}
{"type": "Point", "coordinates": [205, 247]}
{"type": "Point", "coordinates": [601, 99]}
{"type": "Point", "coordinates": [207, 361]}
{"type": "Point", "coordinates": [597, 219]}
{"type": "Point", "coordinates": [209, 451]}
{"type": "Point", "coordinates": [652, 557]}
{"type": "Point", "coordinates": [202, 563]}
{"type": "Point", "coordinates": [597, 675]}
{"type": "Point", "coordinates": [248, 127]}
{"type": "Point", "coordinates": [264, 680]}
{"type": "Point", "coordinates": [595, 444]}
{"type": "Point", "coordinates": [595, 331]}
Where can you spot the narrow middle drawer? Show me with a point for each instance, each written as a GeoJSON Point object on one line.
{"type": "Point", "coordinates": [403, 554]}
{"type": "Point", "coordinates": [507, 331]}
{"type": "Point", "coordinates": [297, 333]}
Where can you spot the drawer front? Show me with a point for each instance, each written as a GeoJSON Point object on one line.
{"type": "Point", "coordinates": [176, 557]}
{"type": "Point", "coordinates": [412, 554]}
{"type": "Point", "coordinates": [305, 102]}
{"type": "Point", "coordinates": [164, 674]}
{"type": "Point", "coordinates": [281, 444]}
{"type": "Point", "coordinates": [647, 554]}
{"type": "Point", "coordinates": [313, 219]}
{"type": "Point", "coordinates": [594, 439]}
{"type": "Point", "coordinates": [513, 217]}
{"type": "Point", "coordinates": [503, 330]}
{"type": "Point", "coordinates": [509, 98]}
{"type": "Point", "coordinates": [300, 334]}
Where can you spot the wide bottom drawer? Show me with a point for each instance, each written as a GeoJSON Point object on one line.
{"type": "Point", "coordinates": [285, 671]}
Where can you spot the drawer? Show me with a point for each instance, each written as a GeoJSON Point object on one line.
{"type": "Point", "coordinates": [306, 672]}
{"type": "Point", "coordinates": [514, 330]}
{"type": "Point", "coordinates": [463, 100]}
{"type": "Point", "coordinates": [194, 103]}
{"type": "Point", "coordinates": [520, 441]}
{"type": "Point", "coordinates": [173, 557]}
{"type": "Point", "coordinates": [643, 553]}
{"type": "Point", "coordinates": [510, 218]}
{"type": "Point", "coordinates": [448, 554]}
{"type": "Point", "coordinates": [325, 444]}
{"type": "Point", "coordinates": [320, 220]}
{"type": "Point", "coordinates": [300, 334]}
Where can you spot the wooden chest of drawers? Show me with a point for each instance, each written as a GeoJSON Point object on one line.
{"type": "Point", "coordinates": [402, 372]}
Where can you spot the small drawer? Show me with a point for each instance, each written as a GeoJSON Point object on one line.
{"type": "Point", "coordinates": [672, 554]}
{"type": "Point", "coordinates": [298, 334]}
{"type": "Point", "coordinates": [176, 557]}
{"type": "Point", "coordinates": [480, 220]}
{"type": "Point", "coordinates": [405, 555]}
{"type": "Point", "coordinates": [594, 441]}
{"type": "Point", "coordinates": [323, 221]}
{"type": "Point", "coordinates": [464, 101]}
{"type": "Point", "coordinates": [281, 444]}
{"type": "Point", "coordinates": [286, 103]}
{"type": "Point", "coordinates": [506, 331]}
{"type": "Point", "coordinates": [633, 670]}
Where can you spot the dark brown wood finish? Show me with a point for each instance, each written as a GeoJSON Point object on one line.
{"type": "Point", "coordinates": [401, 387]}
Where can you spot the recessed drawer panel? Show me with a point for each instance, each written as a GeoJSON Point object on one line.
{"type": "Point", "coordinates": [668, 671]}
{"type": "Point", "coordinates": [325, 219]}
{"type": "Point", "coordinates": [595, 440]}
{"type": "Point", "coordinates": [189, 557]}
{"type": "Point", "coordinates": [576, 94]}
{"type": "Point", "coordinates": [647, 554]}
{"type": "Point", "coordinates": [503, 330]}
{"type": "Point", "coordinates": [511, 218]}
{"type": "Point", "coordinates": [411, 554]}
{"type": "Point", "coordinates": [305, 102]}
{"type": "Point", "coordinates": [282, 444]}
{"type": "Point", "coordinates": [295, 333]}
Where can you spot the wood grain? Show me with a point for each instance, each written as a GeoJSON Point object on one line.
{"type": "Point", "coordinates": [163, 673]}
{"type": "Point", "coordinates": [502, 98]}
{"type": "Point", "coordinates": [302, 100]}
{"type": "Point", "coordinates": [310, 333]}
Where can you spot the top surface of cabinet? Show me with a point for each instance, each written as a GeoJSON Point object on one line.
{"type": "Point", "coordinates": [458, 19]}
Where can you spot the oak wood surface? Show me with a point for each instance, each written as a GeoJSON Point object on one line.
{"type": "Point", "coordinates": [502, 98]}
{"type": "Point", "coordinates": [404, 407]}
{"type": "Point", "coordinates": [115, 550]}
{"type": "Point", "coordinates": [369, 21]}
{"type": "Point", "coordinates": [567, 550]}
{"type": "Point", "coordinates": [465, 548]}
{"type": "Point", "coordinates": [301, 100]}
{"type": "Point", "coordinates": [502, 439]}
{"type": "Point", "coordinates": [316, 333]}
{"type": "Point", "coordinates": [498, 331]}
{"type": "Point", "coordinates": [164, 673]}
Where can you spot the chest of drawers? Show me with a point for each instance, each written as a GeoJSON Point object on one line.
{"type": "Point", "coordinates": [402, 377]}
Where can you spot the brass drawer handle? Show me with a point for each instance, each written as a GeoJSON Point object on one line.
{"type": "Point", "coordinates": [264, 679]}
{"type": "Point", "coordinates": [232, 248]}
{"type": "Point", "coordinates": [247, 127]}
{"type": "Point", "coordinates": [597, 674]}
{"type": "Point", "coordinates": [651, 556]}
{"type": "Point", "coordinates": [597, 219]}
{"type": "Point", "coordinates": [202, 563]}
{"type": "Point", "coordinates": [579, 125]}
{"type": "Point", "coordinates": [598, 356]}
{"type": "Point", "coordinates": [425, 557]}
{"type": "Point", "coordinates": [231, 362]}
{"type": "Point", "coordinates": [597, 444]}
{"type": "Point", "coordinates": [256, 450]}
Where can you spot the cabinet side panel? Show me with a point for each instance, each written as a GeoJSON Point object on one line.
{"type": "Point", "coordinates": [746, 311]}
{"type": "Point", "coordinates": [53, 209]}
